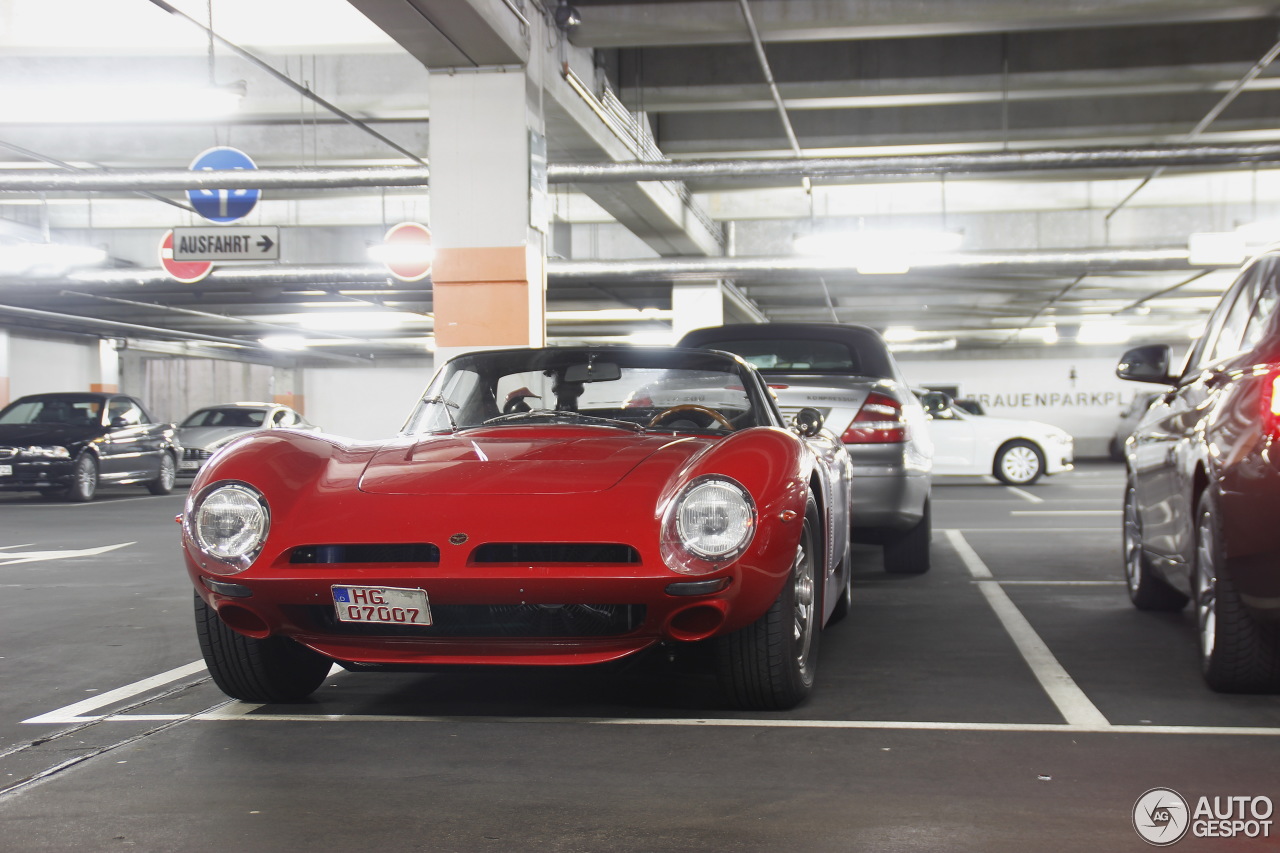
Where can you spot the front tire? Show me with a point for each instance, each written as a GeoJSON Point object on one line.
{"type": "Point", "coordinates": [1018, 463]}
{"type": "Point", "coordinates": [1146, 591]}
{"type": "Point", "coordinates": [908, 553]}
{"type": "Point", "coordinates": [275, 669]}
{"type": "Point", "coordinates": [163, 483]}
{"type": "Point", "coordinates": [1238, 653]}
{"type": "Point", "coordinates": [770, 664]}
{"type": "Point", "coordinates": [84, 479]}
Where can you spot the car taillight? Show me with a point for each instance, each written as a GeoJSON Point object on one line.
{"type": "Point", "coordinates": [1271, 404]}
{"type": "Point", "coordinates": [879, 421]}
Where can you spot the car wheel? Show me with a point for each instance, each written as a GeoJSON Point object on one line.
{"type": "Point", "coordinates": [84, 479]}
{"type": "Point", "coordinates": [908, 553]}
{"type": "Point", "coordinates": [1146, 591]}
{"type": "Point", "coordinates": [1238, 653]}
{"type": "Point", "coordinates": [275, 669]}
{"type": "Point", "coordinates": [1018, 463]}
{"type": "Point", "coordinates": [163, 483]}
{"type": "Point", "coordinates": [770, 664]}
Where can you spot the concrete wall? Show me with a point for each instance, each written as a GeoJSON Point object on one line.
{"type": "Point", "coordinates": [364, 402]}
{"type": "Point", "coordinates": [44, 364]}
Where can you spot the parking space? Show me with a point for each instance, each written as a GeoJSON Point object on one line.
{"type": "Point", "coordinates": [1011, 699]}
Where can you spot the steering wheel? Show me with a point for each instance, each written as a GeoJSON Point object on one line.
{"type": "Point", "coordinates": [715, 416]}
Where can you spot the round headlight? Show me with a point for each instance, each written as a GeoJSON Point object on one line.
{"type": "Point", "coordinates": [230, 523]}
{"type": "Point", "coordinates": [715, 519]}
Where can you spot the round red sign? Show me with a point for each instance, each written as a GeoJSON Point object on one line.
{"type": "Point", "coordinates": [187, 272]}
{"type": "Point", "coordinates": [407, 252]}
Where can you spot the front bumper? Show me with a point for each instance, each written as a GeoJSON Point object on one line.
{"type": "Point", "coordinates": [36, 475]}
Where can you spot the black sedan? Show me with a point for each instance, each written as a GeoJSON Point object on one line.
{"type": "Point", "coordinates": [64, 445]}
{"type": "Point", "coordinates": [1203, 486]}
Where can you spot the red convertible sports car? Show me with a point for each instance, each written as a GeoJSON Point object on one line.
{"type": "Point", "coordinates": [569, 505]}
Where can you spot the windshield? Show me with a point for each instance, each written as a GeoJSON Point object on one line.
{"type": "Point", "coordinates": [54, 409]}
{"type": "Point", "coordinates": [227, 417]}
{"type": "Point", "coordinates": [631, 388]}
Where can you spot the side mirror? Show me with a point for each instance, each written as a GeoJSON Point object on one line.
{"type": "Point", "coordinates": [1146, 364]}
{"type": "Point", "coordinates": [119, 422]}
{"type": "Point", "coordinates": [807, 423]}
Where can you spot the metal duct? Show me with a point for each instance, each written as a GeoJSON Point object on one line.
{"type": "Point", "coordinates": [122, 328]}
{"type": "Point", "coordinates": [1147, 157]}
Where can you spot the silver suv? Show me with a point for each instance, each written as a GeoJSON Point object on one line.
{"type": "Point", "coordinates": [847, 373]}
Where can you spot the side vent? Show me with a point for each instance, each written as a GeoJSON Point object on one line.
{"type": "Point", "coordinates": [377, 553]}
{"type": "Point", "coordinates": [555, 552]}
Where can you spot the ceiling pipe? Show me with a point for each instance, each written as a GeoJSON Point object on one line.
{"type": "Point", "coordinates": [1067, 262]}
{"type": "Point", "coordinates": [778, 103]}
{"type": "Point", "coordinates": [1146, 157]}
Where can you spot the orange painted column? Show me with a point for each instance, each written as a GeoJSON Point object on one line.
{"type": "Point", "coordinates": [487, 218]}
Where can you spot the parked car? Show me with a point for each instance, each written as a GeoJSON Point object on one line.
{"type": "Point", "coordinates": [847, 373]}
{"type": "Point", "coordinates": [1015, 451]}
{"type": "Point", "coordinates": [540, 507]}
{"type": "Point", "coordinates": [205, 430]}
{"type": "Point", "coordinates": [1128, 422]}
{"type": "Point", "coordinates": [65, 445]}
{"type": "Point", "coordinates": [1203, 484]}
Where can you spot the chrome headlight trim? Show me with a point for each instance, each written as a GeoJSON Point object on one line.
{"type": "Point", "coordinates": [708, 525]}
{"type": "Point", "coordinates": [228, 522]}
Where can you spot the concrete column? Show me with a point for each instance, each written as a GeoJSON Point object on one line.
{"type": "Point", "coordinates": [4, 367]}
{"type": "Point", "coordinates": [107, 368]}
{"type": "Point", "coordinates": [489, 272]}
{"type": "Point", "coordinates": [286, 388]}
{"type": "Point", "coordinates": [696, 305]}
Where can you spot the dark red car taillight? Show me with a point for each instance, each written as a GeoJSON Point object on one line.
{"type": "Point", "coordinates": [879, 421]}
{"type": "Point", "coordinates": [1270, 408]}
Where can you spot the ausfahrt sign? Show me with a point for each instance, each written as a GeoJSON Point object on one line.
{"type": "Point", "coordinates": [227, 243]}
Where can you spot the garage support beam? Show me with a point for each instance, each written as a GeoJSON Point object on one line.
{"type": "Point", "coordinates": [489, 277]}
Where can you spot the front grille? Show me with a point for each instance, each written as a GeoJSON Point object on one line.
{"type": "Point", "coordinates": [555, 552]}
{"type": "Point", "coordinates": [410, 552]}
{"type": "Point", "coordinates": [195, 454]}
{"type": "Point", "coordinates": [497, 620]}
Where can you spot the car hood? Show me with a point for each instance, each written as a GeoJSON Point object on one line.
{"type": "Point", "coordinates": [202, 437]}
{"type": "Point", "coordinates": [23, 435]}
{"type": "Point", "coordinates": [523, 460]}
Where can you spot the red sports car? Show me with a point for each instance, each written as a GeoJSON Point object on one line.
{"type": "Point", "coordinates": [569, 505]}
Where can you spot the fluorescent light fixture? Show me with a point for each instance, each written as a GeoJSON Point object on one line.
{"type": "Point", "coordinates": [651, 339]}
{"type": "Point", "coordinates": [879, 252]}
{"type": "Point", "coordinates": [1217, 248]}
{"type": "Point", "coordinates": [117, 102]}
{"type": "Point", "coordinates": [1104, 333]}
{"type": "Point", "coordinates": [924, 346]}
{"type": "Point", "coordinates": [47, 258]}
{"type": "Point", "coordinates": [1260, 233]}
{"type": "Point", "coordinates": [901, 334]}
{"type": "Point", "coordinates": [606, 315]}
{"type": "Point", "coordinates": [362, 321]}
{"type": "Point", "coordinates": [287, 343]}
{"type": "Point", "coordinates": [1049, 334]}
{"type": "Point", "coordinates": [397, 254]}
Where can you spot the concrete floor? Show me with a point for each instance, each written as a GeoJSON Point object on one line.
{"type": "Point", "coordinates": [929, 729]}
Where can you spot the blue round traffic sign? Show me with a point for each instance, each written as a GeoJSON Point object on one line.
{"type": "Point", "coordinates": [223, 205]}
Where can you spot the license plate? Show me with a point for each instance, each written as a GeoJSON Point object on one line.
{"type": "Point", "coordinates": [188, 466]}
{"type": "Point", "coordinates": [6, 470]}
{"type": "Point", "coordinates": [384, 605]}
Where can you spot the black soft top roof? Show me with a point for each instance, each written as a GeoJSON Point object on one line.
{"type": "Point", "coordinates": [869, 353]}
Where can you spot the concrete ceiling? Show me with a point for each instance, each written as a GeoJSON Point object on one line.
{"type": "Point", "coordinates": [1087, 253]}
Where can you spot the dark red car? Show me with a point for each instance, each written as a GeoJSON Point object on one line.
{"type": "Point", "coordinates": [1204, 484]}
{"type": "Point", "coordinates": [555, 506]}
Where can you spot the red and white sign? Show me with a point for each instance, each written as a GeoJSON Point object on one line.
{"type": "Point", "coordinates": [187, 272]}
{"type": "Point", "coordinates": [407, 252]}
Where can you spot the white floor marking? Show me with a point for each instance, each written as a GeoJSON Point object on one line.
{"type": "Point", "coordinates": [1025, 495]}
{"type": "Point", "coordinates": [1050, 583]}
{"type": "Point", "coordinates": [74, 713]}
{"type": "Point", "coordinates": [1070, 700]}
{"type": "Point", "coordinates": [44, 556]}
{"type": "Point", "coordinates": [1112, 512]}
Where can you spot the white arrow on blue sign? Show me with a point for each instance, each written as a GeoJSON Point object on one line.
{"type": "Point", "coordinates": [223, 205]}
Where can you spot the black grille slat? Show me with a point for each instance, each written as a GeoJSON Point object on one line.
{"type": "Point", "coordinates": [409, 552]}
{"type": "Point", "coordinates": [498, 621]}
{"type": "Point", "coordinates": [555, 552]}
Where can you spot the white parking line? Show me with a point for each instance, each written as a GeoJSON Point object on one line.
{"type": "Point", "coordinates": [1070, 700]}
{"type": "Point", "coordinates": [74, 713]}
{"type": "Point", "coordinates": [1111, 512]}
{"type": "Point", "coordinates": [1025, 495]}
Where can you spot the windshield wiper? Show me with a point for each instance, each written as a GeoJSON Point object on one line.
{"type": "Point", "coordinates": [574, 417]}
{"type": "Point", "coordinates": [448, 404]}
